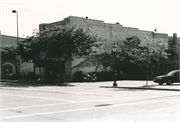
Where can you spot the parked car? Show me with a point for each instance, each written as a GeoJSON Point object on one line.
{"type": "Point", "coordinates": [171, 77]}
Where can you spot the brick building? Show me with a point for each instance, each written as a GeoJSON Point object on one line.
{"type": "Point", "coordinates": [113, 33]}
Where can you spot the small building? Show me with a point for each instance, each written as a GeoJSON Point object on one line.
{"type": "Point", "coordinates": [9, 67]}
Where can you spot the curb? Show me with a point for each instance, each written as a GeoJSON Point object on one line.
{"type": "Point", "coordinates": [140, 88]}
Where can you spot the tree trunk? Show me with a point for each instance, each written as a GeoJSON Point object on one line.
{"type": "Point", "coordinates": [62, 79]}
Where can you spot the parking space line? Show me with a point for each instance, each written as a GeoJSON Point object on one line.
{"type": "Point", "coordinates": [34, 106]}
{"type": "Point", "coordinates": [50, 91]}
{"type": "Point", "coordinates": [62, 103]}
{"type": "Point", "coordinates": [71, 101]}
{"type": "Point", "coordinates": [81, 109]}
{"type": "Point", "coordinates": [37, 97]}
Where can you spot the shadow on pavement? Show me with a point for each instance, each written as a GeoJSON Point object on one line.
{"type": "Point", "coordinates": [33, 84]}
{"type": "Point", "coordinates": [175, 84]}
{"type": "Point", "coordinates": [125, 89]}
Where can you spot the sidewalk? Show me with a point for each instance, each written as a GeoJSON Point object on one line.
{"type": "Point", "coordinates": [150, 85]}
{"type": "Point", "coordinates": [125, 84]}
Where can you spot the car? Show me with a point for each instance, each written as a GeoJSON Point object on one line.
{"type": "Point", "coordinates": [171, 77]}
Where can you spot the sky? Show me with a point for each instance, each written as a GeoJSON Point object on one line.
{"type": "Point", "coordinates": [164, 15]}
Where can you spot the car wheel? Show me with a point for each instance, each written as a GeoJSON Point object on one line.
{"type": "Point", "coordinates": [160, 83]}
{"type": "Point", "coordinates": [169, 82]}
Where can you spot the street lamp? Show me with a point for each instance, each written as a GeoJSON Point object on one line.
{"type": "Point", "coordinates": [114, 53]}
{"type": "Point", "coordinates": [17, 55]}
{"type": "Point", "coordinates": [14, 11]}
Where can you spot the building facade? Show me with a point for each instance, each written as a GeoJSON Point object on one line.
{"type": "Point", "coordinates": [112, 33]}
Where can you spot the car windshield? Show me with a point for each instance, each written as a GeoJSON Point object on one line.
{"type": "Point", "coordinates": [171, 73]}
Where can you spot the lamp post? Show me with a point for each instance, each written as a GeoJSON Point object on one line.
{"type": "Point", "coordinates": [114, 54]}
{"type": "Point", "coordinates": [18, 46]}
{"type": "Point", "coordinates": [14, 11]}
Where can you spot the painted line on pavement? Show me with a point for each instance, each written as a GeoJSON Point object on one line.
{"type": "Point", "coordinates": [50, 91]}
{"type": "Point", "coordinates": [81, 109]}
{"type": "Point", "coordinates": [37, 97]}
{"type": "Point", "coordinates": [23, 107]}
{"type": "Point", "coordinates": [71, 101]}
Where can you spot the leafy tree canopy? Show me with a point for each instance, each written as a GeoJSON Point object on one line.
{"type": "Point", "coordinates": [130, 51]}
{"type": "Point", "coordinates": [153, 51]}
{"type": "Point", "coordinates": [8, 54]}
{"type": "Point", "coordinates": [62, 41]}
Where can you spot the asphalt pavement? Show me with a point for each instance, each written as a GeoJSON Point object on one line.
{"type": "Point", "coordinates": [130, 101]}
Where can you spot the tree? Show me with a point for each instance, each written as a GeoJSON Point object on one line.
{"type": "Point", "coordinates": [125, 53]}
{"type": "Point", "coordinates": [155, 51]}
{"type": "Point", "coordinates": [8, 54]}
{"type": "Point", "coordinates": [130, 49]}
{"type": "Point", "coordinates": [173, 55]}
{"type": "Point", "coordinates": [63, 41]}
{"type": "Point", "coordinates": [131, 52]}
{"type": "Point", "coordinates": [145, 55]}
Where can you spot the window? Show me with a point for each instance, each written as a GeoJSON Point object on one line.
{"type": "Point", "coordinates": [42, 55]}
{"type": "Point", "coordinates": [39, 70]}
{"type": "Point", "coordinates": [176, 74]}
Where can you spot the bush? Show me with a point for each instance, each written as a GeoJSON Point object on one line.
{"type": "Point", "coordinates": [105, 76]}
{"type": "Point", "coordinates": [12, 77]}
{"type": "Point", "coordinates": [31, 76]}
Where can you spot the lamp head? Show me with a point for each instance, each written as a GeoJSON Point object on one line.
{"type": "Point", "coordinates": [114, 47]}
{"type": "Point", "coordinates": [14, 11]}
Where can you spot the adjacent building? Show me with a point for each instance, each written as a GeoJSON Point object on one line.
{"type": "Point", "coordinates": [24, 67]}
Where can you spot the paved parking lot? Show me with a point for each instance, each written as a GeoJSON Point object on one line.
{"type": "Point", "coordinates": [89, 102]}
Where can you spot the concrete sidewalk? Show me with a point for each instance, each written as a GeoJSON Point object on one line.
{"type": "Point", "coordinates": [150, 85]}
{"type": "Point", "coordinates": [125, 84]}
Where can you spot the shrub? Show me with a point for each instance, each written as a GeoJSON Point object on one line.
{"type": "Point", "coordinates": [31, 76]}
{"type": "Point", "coordinates": [12, 77]}
{"type": "Point", "coordinates": [105, 76]}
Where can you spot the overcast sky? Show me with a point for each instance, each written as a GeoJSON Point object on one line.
{"type": "Point", "coordinates": [142, 14]}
